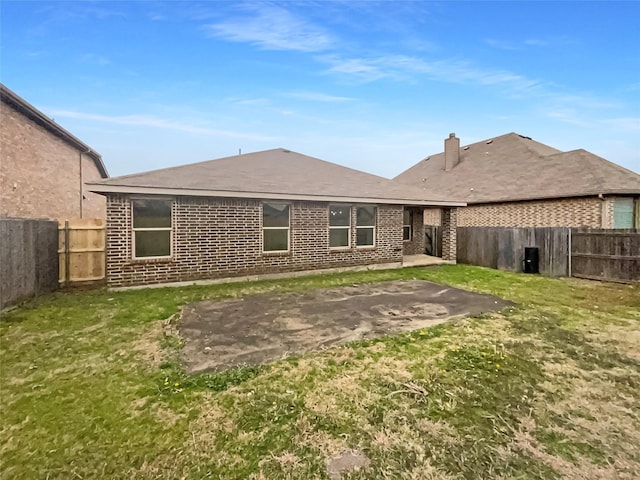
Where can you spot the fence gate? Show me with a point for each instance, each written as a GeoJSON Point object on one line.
{"type": "Point", "coordinates": [431, 241]}
{"type": "Point", "coordinates": [81, 250]}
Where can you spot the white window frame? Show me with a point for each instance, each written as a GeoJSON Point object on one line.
{"type": "Point", "coordinates": [629, 207]}
{"type": "Point", "coordinates": [153, 229]}
{"type": "Point", "coordinates": [288, 229]}
{"type": "Point", "coordinates": [374, 226]}
{"type": "Point", "coordinates": [409, 226]}
{"type": "Point", "coordinates": [340, 227]}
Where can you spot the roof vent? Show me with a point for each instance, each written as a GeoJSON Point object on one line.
{"type": "Point", "coordinates": [489, 141]}
{"type": "Point", "coordinates": [284, 150]}
{"type": "Point", "coordinates": [466, 147]}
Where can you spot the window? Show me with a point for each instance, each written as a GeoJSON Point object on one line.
{"type": "Point", "coordinates": [365, 226]}
{"type": "Point", "coordinates": [623, 213]}
{"type": "Point", "coordinates": [151, 228]}
{"type": "Point", "coordinates": [406, 226]}
{"type": "Point", "coordinates": [339, 226]}
{"type": "Point", "coordinates": [275, 227]}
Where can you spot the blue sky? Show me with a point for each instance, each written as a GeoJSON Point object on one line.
{"type": "Point", "coordinates": [371, 85]}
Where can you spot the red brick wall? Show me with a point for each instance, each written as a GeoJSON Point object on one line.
{"type": "Point", "coordinates": [416, 245]}
{"type": "Point", "coordinates": [40, 173]}
{"type": "Point", "coordinates": [217, 238]}
{"type": "Point", "coordinates": [449, 233]}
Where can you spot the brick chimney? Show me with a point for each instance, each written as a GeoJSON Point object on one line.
{"type": "Point", "coordinates": [451, 152]}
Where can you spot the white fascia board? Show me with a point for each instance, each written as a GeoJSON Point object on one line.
{"type": "Point", "coordinates": [187, 192]}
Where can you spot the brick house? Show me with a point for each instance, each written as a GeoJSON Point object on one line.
{"type": "Point", "coordinates": [514, 181]}
{"type": "Point", "coordinates": [260, 213]}
{"type": "Point", "coordinates": [43, 167]}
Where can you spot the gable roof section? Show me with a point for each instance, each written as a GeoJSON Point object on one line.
{"type": "Point", "coordinates": [272, 174]}
{"type": "Point", "coordinates": [513, 167]}
{"type": "Point", "coordinates": [21, 105]}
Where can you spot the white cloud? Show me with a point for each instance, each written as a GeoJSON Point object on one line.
{"type": "Point", "coordinates": [95, 59]}
{"type": "Point", "coordinates": [571, 117]}
{"type": "Point", "coordinates": [366, 70]}
{"type": "Point", "coordinates": [257, 102]}
{"type": "Point", "coordinates": [520, 44]}
{"type": "Point", "coordinates": [617, 124]}
{"type": "Point", "coordinates": [141, 120]}
{"type": "Point", "coordinates": [273, 28]}
{"type": "Point", "coordinates": [402, 67]}
{"type": "Point", "coordinates": [585, 101]}
{"type": "Point", "coordinates": [501, 44]}
{"type": "Point", "coordinates": [537, 42]}
{"type": "Point", "coordinates": [317, 97]}
{"type": "Point", "coordinates": [625, 124]}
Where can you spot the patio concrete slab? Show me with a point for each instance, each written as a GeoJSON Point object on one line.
{"type": "Point", "coordinates": [261, 328]}
{"type": "Point", "coordinates": [424, 261]}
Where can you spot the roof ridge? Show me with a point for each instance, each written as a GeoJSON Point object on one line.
{"type": "Point", "coordinates": [284, 150]}
{"type": "Point", "coordinates": [607, 162]}
{"type": "Point", "coordinates": [191, 164]}
{"type": "Point", "coordinates": [511, 167]}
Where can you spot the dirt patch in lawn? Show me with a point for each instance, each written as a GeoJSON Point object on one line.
{"type": "Point", "coordinates": [261, 328]}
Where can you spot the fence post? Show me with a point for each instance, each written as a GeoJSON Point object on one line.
{"type": "Point", "coordinates": [569, 253]}
{"type": "Point", "coordinates": [67, 257]}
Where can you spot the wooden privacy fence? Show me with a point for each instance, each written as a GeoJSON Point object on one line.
{"type": "Point", "coordinates": [81, 251]}
{"type": "Point", "coordinates": [606, 254]}
{"type": "Point", "coordinates": [503, 248]}
{"type": "Point", "coordinates": [28, 259]}
{"type": "Point", "coordinates": [600, 254]}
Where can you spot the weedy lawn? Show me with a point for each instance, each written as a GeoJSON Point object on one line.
{"type": "Point", "coordinates": [90, 388]}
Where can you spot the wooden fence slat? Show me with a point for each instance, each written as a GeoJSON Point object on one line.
{"type": "Point", "coordinates": [603, 254]}
{"type": "Point", "coordinates": [503, 248]}
{"type": "Point", "coordinates": [82, 251]}
{"type": "Point", "coordinates": [606, 255]}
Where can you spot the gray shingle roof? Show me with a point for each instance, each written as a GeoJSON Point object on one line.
{"type": "Point", "coordinates": [514, 167]}
{"type": "Point", "coordinates": [277, 173]}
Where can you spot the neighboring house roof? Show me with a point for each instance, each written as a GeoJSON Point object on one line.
{"type": "Point", "coordinates": [21, 105]}
{"type": "Point", "coordinates": [272, 174]}
{"type": "Point", "coordinates": [513, 167]}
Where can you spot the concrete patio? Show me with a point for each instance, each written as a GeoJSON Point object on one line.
{"type": "Point", "coordinates": [423, 261]}
{"type": "Point", "coordinates": [262, 328]}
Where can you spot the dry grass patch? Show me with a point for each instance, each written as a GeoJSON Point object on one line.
{"type": "Point", "coordinates": [621, 336]}
{"type": "Point", "coordinates": [579, 468]}
{"type": "Point", "coordinates": [148, 346]}
{"type": "Point", "coordinates": [548, 389]}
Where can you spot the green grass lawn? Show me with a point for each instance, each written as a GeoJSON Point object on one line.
{"type": "Point", "coordinates": [91, 388]}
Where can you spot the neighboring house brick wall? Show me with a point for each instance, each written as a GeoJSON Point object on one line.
{"type": "Point", "coordinates": [217, 238]}
{"type": "Point", "coordinates": [607, 212]}
{"type": "Point", "coordinates": [432, 216]}
{"type": "Point", "coordinates": [40, 174]}
{"type": "Point", "coordinates": [570, 212]}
